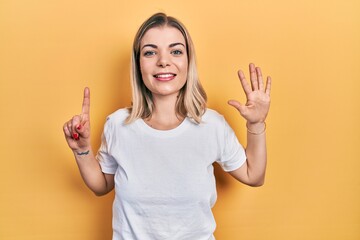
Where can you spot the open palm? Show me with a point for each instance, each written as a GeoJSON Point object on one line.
{"type": "Point", "coordinates": [257, 96]}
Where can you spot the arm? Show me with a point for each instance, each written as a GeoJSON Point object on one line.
{"type": "Point", "coordinates": [252, 172]}
{"type": "Point", "coordinates": [77, 135]}
{"type": "Point", "coordinates": [99, 182]}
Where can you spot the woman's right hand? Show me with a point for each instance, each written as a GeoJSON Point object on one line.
{"type": "Point", "coordinates": [77, 129]}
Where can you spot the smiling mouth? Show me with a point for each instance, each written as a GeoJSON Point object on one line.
{"type": "Point", "coordinates": [165, 76]}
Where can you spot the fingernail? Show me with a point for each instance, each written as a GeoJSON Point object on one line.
{"type": "Point", "coordinates": [78, 127]}
{"type": "Point", "coordinates": [75, 136]}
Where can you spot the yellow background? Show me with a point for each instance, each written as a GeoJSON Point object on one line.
{"type": "Point", "coordinates": [50, 50]}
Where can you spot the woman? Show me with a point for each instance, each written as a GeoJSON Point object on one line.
{"type": "Point", "coordinates": [158, 154]}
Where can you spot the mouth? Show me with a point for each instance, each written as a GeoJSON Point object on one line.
{"type": "Point", "coordinates": [164, 76]}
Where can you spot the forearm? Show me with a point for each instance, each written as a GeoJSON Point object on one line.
{"type": "Point", "coordinates": [90, 171]}
{"type": "Point", "coordinates": [256, 153]}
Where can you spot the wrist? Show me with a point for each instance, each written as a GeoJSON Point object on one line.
{"type": "Point", "coordinates": [256, 128]}
{"type": "Point", "coordinates": [82, 151]}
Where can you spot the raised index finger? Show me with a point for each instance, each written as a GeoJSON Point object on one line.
{"type": "Point", "coordinates": [86, 103]}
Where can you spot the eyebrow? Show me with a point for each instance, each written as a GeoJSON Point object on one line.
{"type": "Point", "coordinates": [171, 45]}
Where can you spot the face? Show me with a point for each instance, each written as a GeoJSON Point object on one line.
{"type": "Point", "coordinates": [163, 61]}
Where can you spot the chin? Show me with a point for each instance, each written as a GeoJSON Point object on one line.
{"type": "Point", "coordinates": [166, 93]}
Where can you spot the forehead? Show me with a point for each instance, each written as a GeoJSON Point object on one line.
{"type": "Point", "coordinates": [162, 36]}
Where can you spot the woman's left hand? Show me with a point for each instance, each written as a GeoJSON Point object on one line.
{"type": "Point", "coordinates": [257, 96]}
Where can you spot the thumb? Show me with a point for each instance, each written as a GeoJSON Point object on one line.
{"type": "Point", "coordinates": [240, 107]}
{"type": "Point", "coordinates": [83, 129]}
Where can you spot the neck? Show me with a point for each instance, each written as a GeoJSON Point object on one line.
{"type": "Point", "coordinates": [164, 115]}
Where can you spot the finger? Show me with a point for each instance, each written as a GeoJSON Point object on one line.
{"type": "Point", "coordinates": [260, 79]}
{"type": "Point", "coordinates": [253, 77]}
{"type": "Point", "coordinates": [240, 107]}
{"type": "Point", "coordinates": [245, 85]}
{"type": "Point", "coordinates": [83, 129]}
{"type": "Point", "coordinates": [75, 122]}
{"type": "Point", "coordinates": [86, 105]}
{"type": "Point", "coordinates": [70, 130]}
{"type": "Point", "coordinates": [268, 86]}
{"type": "Point", "coordinates": [69, 126]}
{"type": "Point", "coordinates": [66, 130]}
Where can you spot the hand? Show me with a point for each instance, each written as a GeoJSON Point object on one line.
{"type": "Point", "coordinates": [77, 129]}
{"type": "Point", "coordinates": [257, 97]}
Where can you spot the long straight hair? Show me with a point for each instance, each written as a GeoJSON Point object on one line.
{"type": "Point", "coordinates": [192, 98]}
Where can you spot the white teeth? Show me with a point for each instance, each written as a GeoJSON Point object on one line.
{"type": "Point", "coordinates": [164, 75]}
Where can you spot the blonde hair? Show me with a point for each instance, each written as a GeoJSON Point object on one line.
{"type": "Point", "coordinates": [192, 98]}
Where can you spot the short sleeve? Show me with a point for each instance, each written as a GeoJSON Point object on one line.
{"type": "Point", "coordinates": [107, 162]}
{"type": "Point", "coordinates": [233, 154]}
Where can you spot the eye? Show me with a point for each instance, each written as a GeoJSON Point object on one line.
{"type": "Point", "coordinates": [148, 53]}
{"type": "Point", "coordinates": [176, 52]}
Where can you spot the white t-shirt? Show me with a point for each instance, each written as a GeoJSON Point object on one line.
{"type": "Point", "coordinates": [164, 180]}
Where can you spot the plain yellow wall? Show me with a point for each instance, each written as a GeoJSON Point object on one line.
{"type": "Point", "coordinates": [50, 50]}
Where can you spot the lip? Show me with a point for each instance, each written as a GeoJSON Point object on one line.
{"type": "Point", "coordinates": [168, 76]}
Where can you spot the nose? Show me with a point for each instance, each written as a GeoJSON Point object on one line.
{"type": "Point", "coordinates": [163, 61]}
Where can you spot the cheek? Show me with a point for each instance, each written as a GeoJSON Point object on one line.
{"type": "Point", "coordinates": [142, 66]}
{"type": "Point", "coordinates": [184, 70]}
{"type": "Point", "coordinates": [183, 67]}
{"type": "Point", "coordinates": [144, 70]}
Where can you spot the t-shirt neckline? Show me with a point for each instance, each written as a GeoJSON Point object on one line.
{"type": "Point", "coordinates": [164, 133]}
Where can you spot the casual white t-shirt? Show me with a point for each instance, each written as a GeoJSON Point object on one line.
{"type": "Point", "coordinates": [164, 180]}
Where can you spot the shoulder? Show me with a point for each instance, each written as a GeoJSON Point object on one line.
{"type": "Point", "coordinates": [117, 117]}
{"type": "Point", "coordinates": [212, 116]}
{"type": "Point", "coordinates": [212, 119]}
